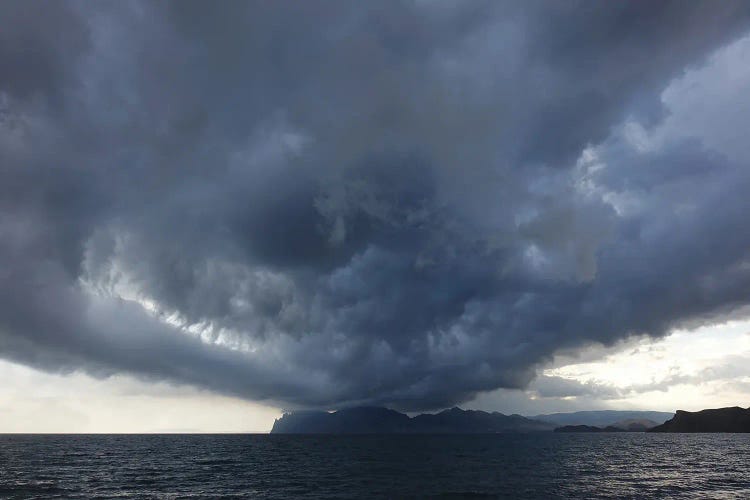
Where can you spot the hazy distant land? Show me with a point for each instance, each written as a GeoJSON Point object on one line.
{"type": "Point", "coordinates": [603, 418]}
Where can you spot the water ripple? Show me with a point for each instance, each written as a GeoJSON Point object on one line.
{"type": "Point", "coordinates": [468, 466]}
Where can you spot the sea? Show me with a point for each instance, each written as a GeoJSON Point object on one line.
{"type": "Point", "coordinates": [542, 465]}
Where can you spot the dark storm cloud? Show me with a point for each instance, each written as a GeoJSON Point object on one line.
{"type": "Point", "coordinates": [327, 204]}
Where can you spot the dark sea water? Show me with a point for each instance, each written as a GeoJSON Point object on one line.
{"type": "Point", "coordinates": [545, 465]}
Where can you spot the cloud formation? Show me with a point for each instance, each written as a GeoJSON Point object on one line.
{"type": "Point", "coordinates": [324, 205]}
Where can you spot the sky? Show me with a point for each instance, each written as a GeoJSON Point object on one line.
{"type": "Point", "coordinates": [213, 214]}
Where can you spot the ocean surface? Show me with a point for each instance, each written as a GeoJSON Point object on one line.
{"type": "Point", "coordinates": [545, 465]}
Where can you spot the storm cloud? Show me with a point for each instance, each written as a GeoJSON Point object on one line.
{"type": "Point", "coordinates": [325, 204]}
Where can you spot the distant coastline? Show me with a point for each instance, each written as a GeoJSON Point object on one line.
{"type": "Point", "coordinates": [377, 420]}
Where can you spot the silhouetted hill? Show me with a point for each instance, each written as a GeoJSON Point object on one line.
{"type": "Point", "coordinates": [374, 420]}
{"type": "Point", "coordinates": [579, 428]}
{"type": "Point", "coordinates": [364, 420]}
{"type": "Point", "coordinates": [457, 420]}
{"type": "Point", "coordinates": [635, 424]}
{"type": "Point", "coordinates": [589, 428]}
{"type": "Point", "coordinates": [734, 419]}
{"type": "Point", "coordinates": [592, 428]}
{"type": "Point", "coordinates": [603, 418]}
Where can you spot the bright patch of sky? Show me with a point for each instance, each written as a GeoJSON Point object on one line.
{"type": "Point", "coordinates": [38, 402]}
{"type": "Point", "coordinates": [686, 370]}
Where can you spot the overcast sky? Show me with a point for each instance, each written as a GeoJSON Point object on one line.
{"type": "Point", "coordinates": [209, 214]}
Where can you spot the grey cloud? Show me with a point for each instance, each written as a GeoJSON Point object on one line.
{"type": "Point", "coordinates": [38, 43]}
{"type": "Point", "coordinates": [561, 387]}
{"type": "Point", "coordinates": [327, 205]}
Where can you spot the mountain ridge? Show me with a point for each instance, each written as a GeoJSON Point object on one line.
{"type": "Point", "coordinates": [378, 420]}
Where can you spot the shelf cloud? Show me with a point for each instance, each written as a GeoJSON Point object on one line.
{"type": "Point", "coordinates": [333, 204]}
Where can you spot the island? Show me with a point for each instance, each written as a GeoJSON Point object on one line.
{"type": "Point", "coordinates": [732, 419]}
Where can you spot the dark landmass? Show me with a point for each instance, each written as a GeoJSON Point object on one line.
{"type": "Point", "coordinates": [588, 428]}
{"type": "Point", "coordinates": [604, 418]}
{"type": "Point", "coordinates": [635, 424]}
{"type": "Point", "coordinates": [625, 426]}
{"type": "Point", "coordinates": [471, 421]}
{"type": "Point", "coordinates": [355, 420]}
{"type": "Point", "coordinates": [374, 420]}
{"type": "Point", "coordinates": [734, 419]}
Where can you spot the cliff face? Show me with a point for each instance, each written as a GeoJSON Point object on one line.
{"type": "Point", "coordinates": [352, 421]}
{"type": "Point", "coordinates": [373, 420]}
{"type": "Point", "coordinates": [734, 419]}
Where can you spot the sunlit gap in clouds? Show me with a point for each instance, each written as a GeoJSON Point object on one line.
{"type": "Point", "coordinates": [680, 371]}
{"type": "Point", "coordinates": [120, 287]}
